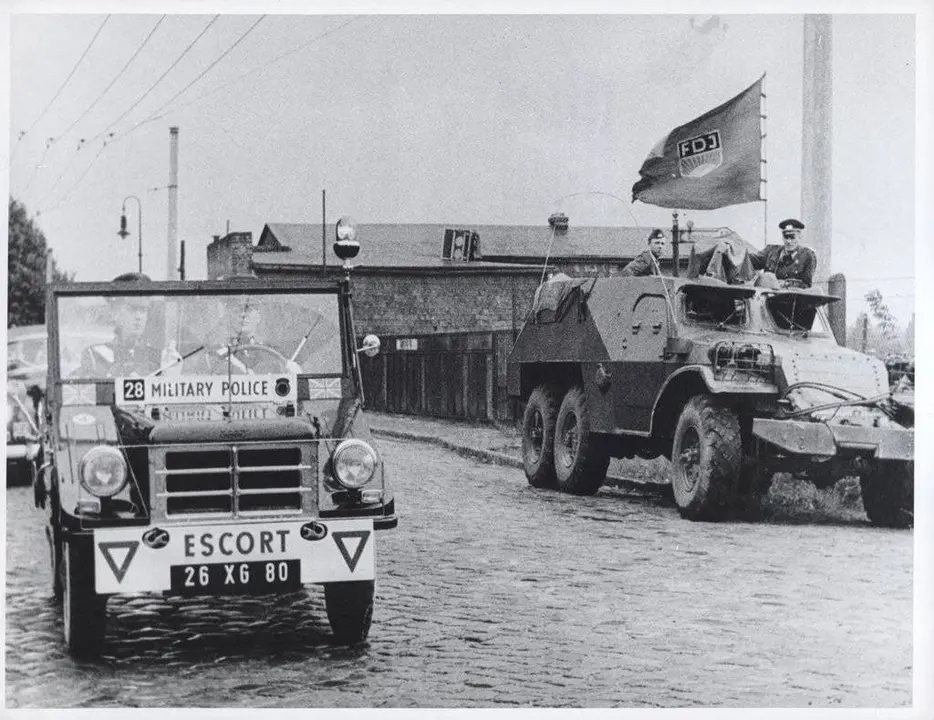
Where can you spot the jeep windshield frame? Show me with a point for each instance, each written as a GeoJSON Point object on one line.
{"type": "Point", "coordinates": [211, 324]}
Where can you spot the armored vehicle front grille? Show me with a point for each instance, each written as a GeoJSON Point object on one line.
{"type": "Point", "coordinates": [240, 480]}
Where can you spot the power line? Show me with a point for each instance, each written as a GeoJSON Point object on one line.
{"type": "Point", "coordinates": [127, 133]}
{"type": "Point", "coordinates": [161, 77]}
{"type": "Point", "coordinates": [61, 175]}
{"type": "Point", "coordinates": [270, 62]}
{"type": "Point", "coordinates": [118, 76]}
{"type": "Point", "coordinates": [155, 115]}
{"type": "Point", "coordinates": [111, 135]}
{"type": "Point", "coordinates": [67, 79]}
{"type": "Point", "coordinates": [70, 190]}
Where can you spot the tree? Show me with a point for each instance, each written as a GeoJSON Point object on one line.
{"type": "Point", "coordinates": [27, 256]}
{"type": "Point", "coordinates": [880, 311]}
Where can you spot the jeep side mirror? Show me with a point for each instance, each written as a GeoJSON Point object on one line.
{"type": "Point", "coordinates": [371, 346]}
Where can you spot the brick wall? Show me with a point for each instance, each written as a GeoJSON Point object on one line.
{"type": "Point", "coordinates": [422, 303]}
{"type": "Point", "coordinates": [230, 255]}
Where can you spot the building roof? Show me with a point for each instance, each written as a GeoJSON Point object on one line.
{"type": "Point", "coordinates": [419, 245]}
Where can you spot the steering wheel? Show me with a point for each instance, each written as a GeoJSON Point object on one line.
{"type": "Point", "coordinates": [271, 361]}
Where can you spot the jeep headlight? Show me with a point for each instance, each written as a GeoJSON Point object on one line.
{"type": "Point", "coordinates": [103, 471]}
{"type": "Point", "coordinates": [354, 463]}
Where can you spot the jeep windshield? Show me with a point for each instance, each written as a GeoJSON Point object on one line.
{"type": "Point", "coordinates": [201, 334]}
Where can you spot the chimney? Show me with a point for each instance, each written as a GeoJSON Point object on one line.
{"type": "Point", "coordinates": [559, 221]}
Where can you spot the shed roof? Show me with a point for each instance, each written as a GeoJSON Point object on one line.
{"type": "Point", "coordinates": [419, 245]}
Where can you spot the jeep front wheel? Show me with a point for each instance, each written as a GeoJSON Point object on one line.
{"type": "Point", "coordinates": [350, 610]}
{"type": "Point", "coordinates": [84, 612]}
{"type": "Point", "coordinates": [538, 437]}
{"type": "Point", "coordinates": [706, 458]}
{"type": "Point", "coordinates": [580, 461]}
{"type": "Point", "coordinates": [888, 491]}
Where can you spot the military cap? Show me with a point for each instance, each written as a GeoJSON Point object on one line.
{"type": "Point", "coordinates": [132, 277]}
{"type": "Point", "coordinates": [791, 223]}
{"type": "Point", "coordinates": [656, 233]}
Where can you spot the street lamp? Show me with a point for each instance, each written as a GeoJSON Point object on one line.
{"type": "Point", "coordinates": [122, 232]}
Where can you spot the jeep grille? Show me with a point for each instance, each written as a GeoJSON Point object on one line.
{"type": "Point", "coordinates": [238, 480]}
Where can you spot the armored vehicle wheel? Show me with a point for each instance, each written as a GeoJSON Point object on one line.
{"type": "Point", "coordinates": [84, 611]}
{"type": "Point", "coordinates": [888, 491]}
{"type": "Point", "coordinates": [350, 610]}
{"type": "Point", "coordinates": [706, 457]}
{"type": "Point", "coordinates": [580, 462]}
{"type": "Point", "coordinates": [538, 437]}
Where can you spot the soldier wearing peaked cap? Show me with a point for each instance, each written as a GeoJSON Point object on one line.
{"type": "Point", "coordinates": [646, 262]}
{"type": "Point", "coordinates": [791, 263]}
{"type": "Point", "coordinates": [129, 352]}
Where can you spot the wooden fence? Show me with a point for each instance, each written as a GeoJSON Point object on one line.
{"type": "Point", "coordinates": [460, 376]}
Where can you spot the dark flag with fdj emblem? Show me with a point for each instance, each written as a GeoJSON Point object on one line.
{"type": "Point", "coordinates": [711, 162]}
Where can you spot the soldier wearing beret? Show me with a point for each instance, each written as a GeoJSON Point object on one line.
{"type": "Point", "coordinates": [792, 264]}
{"type": "Point", "coordinates": [646, 262]}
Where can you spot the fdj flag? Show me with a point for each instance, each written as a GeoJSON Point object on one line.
{"type": "Point", "coordinates": [710, 162]}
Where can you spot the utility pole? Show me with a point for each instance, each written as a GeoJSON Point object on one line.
{"type": "Point", "coordinates": [173, 202]}
{"type": "Point", "coordinates": [817, 141]}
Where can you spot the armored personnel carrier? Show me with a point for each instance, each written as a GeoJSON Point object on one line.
{"type": "Point", "coordinates": [732, 383]}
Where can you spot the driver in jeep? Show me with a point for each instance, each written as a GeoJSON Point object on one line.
{"type": "Point", "coordinates": [239, 338]}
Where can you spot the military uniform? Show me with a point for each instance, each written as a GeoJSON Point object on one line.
{"type": "Point", "coordinates": [641, 265]}
{"type": "Point", "coordinates": [119, 357]}
{"type": "Point", "coordinates": [798, 264]}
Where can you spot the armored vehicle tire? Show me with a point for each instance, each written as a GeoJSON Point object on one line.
{"type": "Point", "coordinates": [706, 459]}
{"type": "Point", "coordinates": [580, 461]}
{"type": "Point", "coordinates": [888, 493]}
{"type": "Point", "coordinates": [84, 611]}
{"type": "Point", "coordinates": [538, 437]}
{"type": "Point", "coordinates": [350, 610]}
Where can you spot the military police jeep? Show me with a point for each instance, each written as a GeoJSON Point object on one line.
{"type": "Point", "coordinates": [732, 383]}
{"type": "Point", "coordinates": [215, 445]}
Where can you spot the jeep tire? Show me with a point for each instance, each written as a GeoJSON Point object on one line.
{"type": "Point", "coordinates": [580, 461]}
{"type": "Point", "coordinates": [84, 612]}
{"type": "Point", "coordinates": [350, 610]}
{"type": "Point", "coordinates": [888, 493]}
{"type": "Point", "coordinates": [538, 437]}
{"type": "Point", "coordinates": [706, 459]}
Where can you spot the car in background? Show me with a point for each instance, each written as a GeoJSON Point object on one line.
{"type": "Point", "coordinates": [26, 369]}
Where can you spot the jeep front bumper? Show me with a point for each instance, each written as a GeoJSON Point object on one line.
{"type": "Point", "coordinates": [817, 438]}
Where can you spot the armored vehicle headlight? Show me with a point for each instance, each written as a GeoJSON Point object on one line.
{"type": "Point", "coordinates": [103, 471]}
{"type": "Point", "coordinates": [354, 463]}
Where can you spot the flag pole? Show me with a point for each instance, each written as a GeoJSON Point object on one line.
{"type": "Point", "coordinates": [675, 242]}
{"type": "Point", "coordinates": [763, 177]}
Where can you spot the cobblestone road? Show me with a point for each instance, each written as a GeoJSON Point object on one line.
{"type": "Point", "coordinates": [491, 593]}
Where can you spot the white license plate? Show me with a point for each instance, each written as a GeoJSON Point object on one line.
{"type": "Point", "coordinates": [170, 558]}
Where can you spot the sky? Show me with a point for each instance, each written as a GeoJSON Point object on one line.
{"type": "Point", "coordinates": [457, 119]}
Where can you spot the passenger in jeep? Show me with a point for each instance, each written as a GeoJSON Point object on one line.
{"type": "Point", "coordinates": [130, 351]}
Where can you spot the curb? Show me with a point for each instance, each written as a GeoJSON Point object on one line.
{"type": "Point", "coordinates": [498, 458]}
